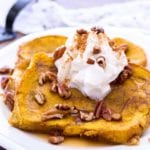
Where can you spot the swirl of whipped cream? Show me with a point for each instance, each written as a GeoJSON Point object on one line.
{"type": "Point", "coordinates": [92, 79]}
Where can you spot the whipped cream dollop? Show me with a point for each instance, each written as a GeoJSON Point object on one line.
{"type": "Point", "coordinates": [89, 64]}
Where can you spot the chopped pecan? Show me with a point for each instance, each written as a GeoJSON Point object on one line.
{"type": "Point", "coordinates": [90, 61]}
{"type": "Point", "coordinates": [9, 99]}
{"type": "Point", "coordinates": [59, 52]}
{"type": "Point", "coordinates": [4, 82]}
{"type": "Point", "coordinates": [51, 75]}
{"type": "Point", "coordinates": [51, 111]}
{"type": "Point", "coordinates": [74, 110]}
{"type": "Point", "coordinates": [86, 116]}
{"type": "Point", "coordinates": [97, 30]}
{"type": "Point", "coordinates": [55, 139]}
{"type": "Point", "coordinates": [106, 114]}
{"type": "Point", "coordinates": [47, 76]}
{"type": "Point", "coordinates": [101, 61]}
{"type": "Point", "coordinates": [127, 72]}
{"type": "Point", "coordinates": [96, 50]}
{"type": "Point", "coordinates": [42, 79]}
{"type": "Point", "coordinates": [5, 70]}
{"type": "Point", "coordinates": [102, 111]}
{"type": "Point", "coordinates": [40, 98]}
{"type": "Point", "coordinates": [65, 107]}
{"type": "Point", "coordinates": [53, 87]}
{"type": "Point", "coordinates": [53, 114]}
{"type": "Point", "coordinates": [64, 91]}
{"type": "Point", "coordinates": [81, 31]}
{"type": "Point", "coordinates": [98, 109]}
{"type": "Point", "coordinates": [62, 107]}
{"type": "Point", "coordinates": [116, 116]}
{"type": "Point", "coordinates": [55, 136]}
{"type": "Point", "coordinates": [123, 76]}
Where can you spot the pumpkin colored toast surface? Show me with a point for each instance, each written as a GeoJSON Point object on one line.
{"type": "Point", "coordinates": [45, 44]}
{"type": "Point", "coordinates": [131, 99]}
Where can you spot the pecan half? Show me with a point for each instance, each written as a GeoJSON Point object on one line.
{"type": "Point", "coordinates": [98, 109]}
{"type": "Point", "coordinates": [74, 110]}
{"type": "Point", "coordinates": [65, 107]}
{"type": "Point", "coordinates": [62, 107]}
{"type": "Point", "coordinates": [102, 111]}
{"type": "Point", "coordinates": [5, 70]}
{"type": "Point", "coordinates": [81, 31]}
{"type": "Point", "coordinates": [9, 99]}
{"type": "Point", "coordinates": [86, 116]}
{"type": "Point", "coordinates": [53, 87]}
{"type": "Point", "coordinates": [40, 98]}
{"type": "Point", "coordinates": [47, 76]}
{"type": "Point", "coordinates": [54, 139]}
{"type": "Point", "coordinates": [106, 114]}
{"type": "Point", "coordinates": [64, 91]}
{"type": "Point", "coordinates": [51, 75]}
{"type": "Point", "coordinates": [42, 79]}
{"type": "Point", "coordinates": [123, 76]}
{"type": "Point", "coordinates": [4, 82]}
{"type": "Point", "coordinates": [53, 114]}
{"type": "Point", "coordinates": [97, 30]}
{"type": "Point", "coordinates": [59, 52]}
{"type": "Point", "coordinates": [101, 61]}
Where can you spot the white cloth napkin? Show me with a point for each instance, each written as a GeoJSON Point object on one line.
{"type": "Point", "coordinates": [46, 14]}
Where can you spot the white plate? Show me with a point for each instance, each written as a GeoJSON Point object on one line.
{"type": "Point", "coordinates": [15, 139]}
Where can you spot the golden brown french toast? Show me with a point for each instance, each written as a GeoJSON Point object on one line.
{"type": "Point", "coordinates": [48, 44]}
{"type": "Point", "coordinates": [45, 44]}
{"type": "Point", "coordinates": [131, 99]}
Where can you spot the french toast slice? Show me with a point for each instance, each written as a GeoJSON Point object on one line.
{"type": "Point", "coordinates": [45, 44]}
{"type": "Point", "coordinates": [131, 99]}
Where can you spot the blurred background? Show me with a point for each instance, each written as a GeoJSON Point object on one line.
{"type": "Point", "coordinates": [39, 15]}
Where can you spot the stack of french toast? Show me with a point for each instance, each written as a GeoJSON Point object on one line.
{"type": "Point", "coordinates": [37, 104]}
